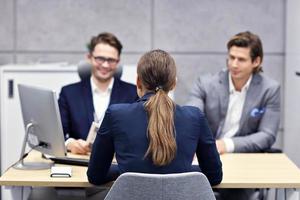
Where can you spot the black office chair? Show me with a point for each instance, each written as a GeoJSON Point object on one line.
{"type": "Point", "coordinates": [272, 150]}
{"type": "Point", "coordinates": [84, 70]}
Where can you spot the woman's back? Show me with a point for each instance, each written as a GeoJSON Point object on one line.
{"type": "Point", "coordinates": [126, 125]}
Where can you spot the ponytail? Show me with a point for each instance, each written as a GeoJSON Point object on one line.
{"type": "Point", "coordinates": [157, 72]}
{"type": "Point", "coordinates": [162, 144]}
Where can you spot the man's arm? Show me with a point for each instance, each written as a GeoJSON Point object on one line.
{"type": "Point", "coordinates": [197, 95]}
{"type": "Point", "coordinates": [267, 130]}
{"type": "Point", "coordinates": [64, 112]}
{"type": "Point", "coordinates": [75, 146]}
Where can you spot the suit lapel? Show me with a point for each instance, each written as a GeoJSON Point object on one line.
{"type": "Point", "coordinates": [88, 99]}
{"type": "Point", "coordinates": [252, 94]}
{"type": "Point", "coordinates": [115, 93]}
{"type": "Point", "coordinates": [223, 99]}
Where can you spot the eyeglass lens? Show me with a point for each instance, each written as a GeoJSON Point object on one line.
{"type": "Point", "coordinates": [101, 59]}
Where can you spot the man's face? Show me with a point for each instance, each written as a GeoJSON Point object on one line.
{"type": "Point", "coordinates": [104, 60]}
{"type": "Point", "coordinates": [240, 64]}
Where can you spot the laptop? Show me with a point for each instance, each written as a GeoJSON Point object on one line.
{"type": "Point", "coordinates": [70, 161]}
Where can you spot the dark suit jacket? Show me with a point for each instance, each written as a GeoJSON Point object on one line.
{"type": "Point", "coordinates": [123, 131]}
{"type": "Point", "coordinates": [77, 109]}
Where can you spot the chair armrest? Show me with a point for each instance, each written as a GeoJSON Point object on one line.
{"type": "Point", "coordinates": [272, 150]}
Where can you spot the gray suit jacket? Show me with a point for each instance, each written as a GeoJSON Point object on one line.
{"type": "Point", "coordinates": [261, 112]}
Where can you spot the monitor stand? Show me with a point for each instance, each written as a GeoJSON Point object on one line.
{"type": "Point", "coordinates": [29, 165]}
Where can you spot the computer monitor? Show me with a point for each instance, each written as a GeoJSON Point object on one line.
{"type": "Point", "coordinates": [42, 123]}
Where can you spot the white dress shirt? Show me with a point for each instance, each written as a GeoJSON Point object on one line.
{"type": "Point", "coordinates": [101, 99]}
{"type": "Point", "coordinates": [234, 113]}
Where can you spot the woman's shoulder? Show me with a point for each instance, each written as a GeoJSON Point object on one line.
{"type": "Point", "coordinates": [192, 118]}
{"type": "Point", "coordinates": [121, 106]}
{"type": "Point", "coordinates": [124, 107]}
{"type": "Point", "coordinates": [191, 111]}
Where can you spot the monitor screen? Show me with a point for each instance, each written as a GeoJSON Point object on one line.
{"type": "Point", "coordinates": [42, 119]}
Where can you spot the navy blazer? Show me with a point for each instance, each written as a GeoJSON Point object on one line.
{"type": "Point", "coordinates": [77, 109]}
{"type": "Point", "coordinates": [123, 131]}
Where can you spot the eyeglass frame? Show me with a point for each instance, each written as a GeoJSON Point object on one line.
{"type": "Point", "coordinates": [101, 59]}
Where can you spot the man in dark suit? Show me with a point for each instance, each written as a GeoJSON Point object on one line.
{"type": "Point", "coordinates": [86, 101]}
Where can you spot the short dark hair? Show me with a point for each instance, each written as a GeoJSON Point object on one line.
{"type": "Point", "coordinates": [248, 39]}
{"type": "Point", "coordinates": [105, 38]}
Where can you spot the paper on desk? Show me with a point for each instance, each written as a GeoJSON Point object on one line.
{"type": "Point", "coordinates": [195, 160]}
{"type": "Point", "coordinates": [61, 172]}
{"type": "Point", "coordinates": [93, 132]}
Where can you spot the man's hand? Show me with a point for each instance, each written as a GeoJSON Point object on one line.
{"type": "Point", "coordinates": [79, 147]}
{"type": "Point", "coordinates": [221, 146]}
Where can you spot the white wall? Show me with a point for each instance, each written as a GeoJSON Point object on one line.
{"type": "Point", "coordinates": [292, 82]}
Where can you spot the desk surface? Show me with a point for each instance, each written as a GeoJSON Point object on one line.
{"type": "Point", "coordinates": [240, 171]}
{"type": "Point", "coordinates": [17, 177]}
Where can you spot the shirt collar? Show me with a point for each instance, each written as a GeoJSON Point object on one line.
{"type": "Point", "coordinates": [95, 88]}
{"type": "Point", "coordinates": [146, 96]}
{"type": "Point", "coordinates": [232, 88]}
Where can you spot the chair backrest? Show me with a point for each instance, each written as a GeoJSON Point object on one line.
{"type": "Point", "coordinates": [182, 186]}
{"type": "Point", "coordinates": [84, 70]}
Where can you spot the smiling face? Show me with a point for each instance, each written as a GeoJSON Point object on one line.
{"type": "Point", "coordinates": [104, 60]}
{"type": "Point", "coordinates": [240, 63]}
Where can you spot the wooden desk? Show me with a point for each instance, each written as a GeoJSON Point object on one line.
{"type": "Point", "coordinates": [240, 171]}
{"type": "Point", "coordinates": [274, 170]}
{"type": "Point", "coordinates": [41, 178]}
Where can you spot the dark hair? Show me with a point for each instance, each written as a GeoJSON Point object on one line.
{"type": "Point", "coordinates": [248, 39]}
{"type": "Point", "coordinates": [105, 38]}
{"type": "Point", "coordinates": [157, 72]}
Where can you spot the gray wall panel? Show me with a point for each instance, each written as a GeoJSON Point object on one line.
{"type": "Point", "coordinates": [273, 66]}
{"type": "Point", "coordinates": [206, 25]}
{"type": "Point", "coordinates": [130, 59]}
{"type": "Point", "coordinates": [6, 59]}
{"type": "Point", "coordinates": [69, 58]}
{"type": "Point", "coordinates": [47, 58]}
{"type": "Point", "coordinates": [189, 67]}
{"type": "Point", "coordinates": [292, 82]}
{"type": "Point", "coordinates": [6, 28]}
{"type": "Point", "coordinates": [68, 25]}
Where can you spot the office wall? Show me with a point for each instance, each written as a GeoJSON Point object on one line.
{"type": "Point", "coordinates": [292, 94]}
{"type": "Point", "coordinates": [6, 31]}
{"type": "Point", "coordinates": [194, 31]}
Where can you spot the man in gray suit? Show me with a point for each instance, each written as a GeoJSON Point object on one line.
{"type": "Point", "coordinates": [242, 106]}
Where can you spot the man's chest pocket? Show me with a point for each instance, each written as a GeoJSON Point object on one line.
{"type": "Point", "coordinates": [255, 116]}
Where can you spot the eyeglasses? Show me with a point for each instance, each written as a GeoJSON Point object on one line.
{"type": "Point", "coordinates": [100, 60]}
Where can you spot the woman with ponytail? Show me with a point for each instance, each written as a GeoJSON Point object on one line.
{"type": "Point", "coordinates": [154, 135]}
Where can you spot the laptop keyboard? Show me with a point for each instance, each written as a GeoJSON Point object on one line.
{"type": "Point", "coordinates": [70, 161]}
